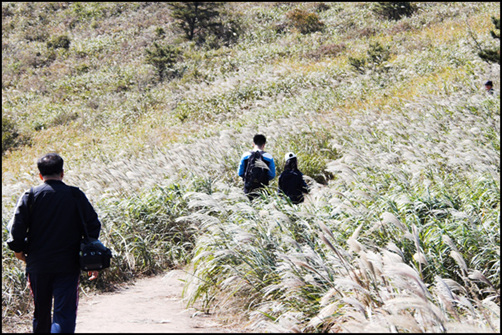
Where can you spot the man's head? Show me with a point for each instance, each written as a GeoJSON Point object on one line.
{"type": "Point", "coordinates": [50, 165]}
{"type": "Point", "coordinates": [259, 140]}
{"type": "Point", "coordinates": [488, 84]}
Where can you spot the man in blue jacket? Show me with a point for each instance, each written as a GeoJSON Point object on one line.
{"type": "Point", "coordinates": [252, 184]}
{"type": "Point", "coordinates": [45, 232]}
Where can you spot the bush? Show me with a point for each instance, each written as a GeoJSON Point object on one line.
{"type": "Point", "coordinates": [365, 32]}
{"type": "Point", "coordinates": [492, 55]}
{"type": "Point", "coordinates": [207, 22]}
{"type": "Point", "coordinates": [62, 41]}
{"type": "Point", "coordinates": [359, 64]}
{"type": "Point", "coordinates": [227, 31]}
{"type": "Point", "coordinates": [163, 58]}
{"type": "Point", "coordinates": [321, 7]}
{"type": "Point", "coordinates": [35, 34]}
{"type": "Point", "coordinates": [377, 55]}
{"type": "Point", "coordinates": [11, 137]}
{"type": "Point", "coordinates": [305, 22]}
{"type": "Point", "coordinates": [394, 10]}
{"type": "Point", "coordinates": [195, 18]}
{"type": "Point", "coordinates": [332, 50]}
{"type": "Point", "coordinates": [9, 134]}
{"type": "Point", "coordinates": [160, 32]}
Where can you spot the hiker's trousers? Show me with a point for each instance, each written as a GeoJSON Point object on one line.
{"type": "Point", "coordinates": [64, 288]}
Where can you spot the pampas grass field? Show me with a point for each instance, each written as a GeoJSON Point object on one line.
{"type": "Point", "coordinates": [401, 229]}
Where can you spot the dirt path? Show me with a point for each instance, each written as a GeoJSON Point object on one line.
{"type": "Point", "coordinates": [150, 305]}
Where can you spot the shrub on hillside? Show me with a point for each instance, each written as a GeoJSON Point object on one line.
{"type": "Point", "coordinates": [280, 28]}
{"type": "Point", "coordinates": [226, 32]}
{"type": "Point", "coordinates": [195, 18]}
{"type": "Point", "coordinates": [160, 33]}
{"type": "Point", "coordinates": [9, 134]}
{"type": "Point", "coordinates": [62, 41]}
{"type": "Point", "coordinates": [11, 137]}
{"type": "Point", "coordinates": [394, 10]}
{"type": "Point", "coordinates": [35, 34]}
{"type": "Point", "coordinates": [163, 58]}
{"type": "Point", "coordinates": [364, 32]}
{"type": "Point", "coordinates": [332, 50]}
{"type": "Point", "coordinates": [376, 56]}
{"type": "Point", "coordinates": [304, 21]}
{"type": "Point", "coordinates": [358, 63]}
{"type": "Point", "coordinates": [207, 22]}
{"type": "Point", "coordinates": [321, 7]}
{"type": "Point", "coordinates": [492, 55]}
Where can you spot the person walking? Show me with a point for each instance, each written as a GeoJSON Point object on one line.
{"type": "Point", "coordinates": [291, 181]}
{"type": "Point", "coordinates": [45, 233]}
{"type": "Point", "coordinates": [489, 87]}
{"type": "Point", "coordinates": [256, 167]}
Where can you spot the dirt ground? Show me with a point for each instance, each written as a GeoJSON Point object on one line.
{"type": "Point", "coordinates": [149, 305]}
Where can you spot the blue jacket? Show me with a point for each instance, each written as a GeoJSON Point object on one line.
{"type": "Point", "coordinates": [267, 158]}
{"type": "Point", "coordinates": [54, 231]}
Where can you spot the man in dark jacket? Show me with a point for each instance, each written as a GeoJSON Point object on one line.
{"type": "Point", "coordinates": [45, 232]}
{"type": "Point", "coordinates": [291, 180]}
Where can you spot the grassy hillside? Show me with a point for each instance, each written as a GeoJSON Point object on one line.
{"type": "Point", "coordinates": [392, 128]}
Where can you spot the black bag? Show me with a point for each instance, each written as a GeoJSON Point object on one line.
{"type": "Point", "coordinates": [93, 254]}
{"type": "Point", "coordinates": [256, 174]}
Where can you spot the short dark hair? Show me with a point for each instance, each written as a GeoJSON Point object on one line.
{"type": "Point", "coordinates": [489, 83]}
{"type": "Point", "coordinates": [50, 164]}
{"type": "Point", "coordinates": [259, 139]}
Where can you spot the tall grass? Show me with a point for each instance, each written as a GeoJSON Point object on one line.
{"type": "Point", "coordinates": [392, 233]}
{"type": "Point", "coordinates": [401, 230]}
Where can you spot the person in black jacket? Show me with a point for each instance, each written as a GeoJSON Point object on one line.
{"type": "Point", "coordinates": [291, 180]}
{"type": "Point", "coordinates": [45, 232]}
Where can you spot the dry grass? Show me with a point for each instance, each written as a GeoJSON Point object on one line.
{"type": "Point", "coordinates": [401, 230]}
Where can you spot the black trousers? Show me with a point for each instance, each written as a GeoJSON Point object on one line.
{"type": "Point", "coordinates": [63, 287]}
{"type": "Point", "coordinates": [253, 193]}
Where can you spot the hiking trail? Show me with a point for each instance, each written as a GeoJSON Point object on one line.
{"type": "Point", "coordinates": [149, 305]}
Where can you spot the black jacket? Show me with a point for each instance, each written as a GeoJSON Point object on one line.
{"type": "Point", "coordinates": [52, 227]}
{"type": "Point", "coordinates": [292, 184]}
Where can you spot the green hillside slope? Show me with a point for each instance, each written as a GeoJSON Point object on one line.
{"type": "Point", "coordinates": [393, 130]}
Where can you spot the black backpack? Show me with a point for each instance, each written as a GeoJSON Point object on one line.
{"type": "Point", "coordinates": [256, 174]}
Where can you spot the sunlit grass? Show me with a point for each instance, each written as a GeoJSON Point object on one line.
{"type": "Point", "coordinates": [401, 230]}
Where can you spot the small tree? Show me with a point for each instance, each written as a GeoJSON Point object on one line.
{"type": "Point", "coordinates": [377, 55]}
{"type": "Point", "coordinates": [492, 55]}
{"type": "Point", "coordinates": [11, 137]}
{"type": "Point", "coordinates": [195, 18]}
{"type": "Point", "coordinates": [305, 22]}
{"type": "Point", "coordinates": [56, 42]}
{"type": "Point", "coordinates": [394, 10]}
{"type": "Point", "coordinates": [163, 58]}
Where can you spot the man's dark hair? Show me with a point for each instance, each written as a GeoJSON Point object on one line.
{"type": "Point", "coordinates": [489, 83]}
{"type": "Point", "coordinates": [259, 140]}
{"type": "Point", "coordinates": [50, 164]}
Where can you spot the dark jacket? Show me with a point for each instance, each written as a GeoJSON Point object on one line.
{"type": "Point", "coordinates": [292, 184]}
{"type": "Point", "coordinates": [52, 227]}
